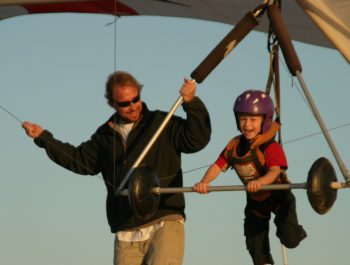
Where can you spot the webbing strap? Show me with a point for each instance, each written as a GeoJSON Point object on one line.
{"type": "Point", "coordinates": [274, 79]}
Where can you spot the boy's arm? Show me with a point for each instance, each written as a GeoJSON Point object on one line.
{"type": "Point", "coordinates": [211, 174]}
{"type": "Point", "coordinates": [268, 178]}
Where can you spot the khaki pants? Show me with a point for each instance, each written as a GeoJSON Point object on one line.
{"type": "Point", "coordinates": [164, 247]}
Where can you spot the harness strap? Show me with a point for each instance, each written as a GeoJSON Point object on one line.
{"type": "Point", "coordinates": [261, 169]}
{"type": "Point", "coordinates": [229, 157]}
{"type": "Point", "coordinates": [274, 78]}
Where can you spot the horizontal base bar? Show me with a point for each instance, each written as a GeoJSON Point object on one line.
{"type": "Point", "coordinates": [158, 190]}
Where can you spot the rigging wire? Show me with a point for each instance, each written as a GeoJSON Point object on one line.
{"type": "Point", "coordinates": [184, 172]}
{"type": "Point", "coordinates": [205, 166]}
{"type": "Point", "coordinates": [316, 133]}
{"type": "Point", "coordinates": [116, 17]}
{"type": "Point", "coordinates": [11, 114]}
{"type": "Point", "coordinates": [15, 117]}
{"type": "Point", "coordinates": [296, 85]}
{"type": "Point", "coordinates": [285, 143]}
{"type": "Point", "coordinates": [271, 39]}
{"type": "Point", "coordinates": [111, 185]}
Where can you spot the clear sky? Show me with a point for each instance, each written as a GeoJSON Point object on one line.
{"type": "Point", "coordinates": [52, 71]}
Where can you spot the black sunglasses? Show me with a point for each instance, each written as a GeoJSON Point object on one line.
{"type": "Point", "coordinates": [125, 104]}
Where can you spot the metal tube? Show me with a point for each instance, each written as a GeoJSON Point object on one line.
{"type": "Point", "coordinates": [159, 190]}
{"type": "Point", "coordinates": [340, 185]}
{"type": "Point", "coordinates": [150, 143]}
{"type": "Point", "coordinates": [284, 254]}
{"type": "Point", "coordinates": [340, 162]}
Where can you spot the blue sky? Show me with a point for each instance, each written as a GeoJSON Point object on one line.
{"type": "Point", "coordinates": [53, 69]}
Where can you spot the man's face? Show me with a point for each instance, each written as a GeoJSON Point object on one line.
{"type": "Point", "coordinates": [128, 103]}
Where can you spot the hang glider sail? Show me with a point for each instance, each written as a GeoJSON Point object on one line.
{"type": "Point", "coordinates": [329, 25]}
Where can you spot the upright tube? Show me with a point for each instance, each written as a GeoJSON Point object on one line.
{"type": "Point", "coordinates": [284, 39]}
{"type": "Point", "coordinates": [295, 69]}
{"type": "Point", "coordinates": [150, 143]}
{"type": "Point", "coordinates": [284, 255]}
{"type": "Point", "coordinates": [325, 132]}
{"type": "Point", "coordinates": [225, 46]}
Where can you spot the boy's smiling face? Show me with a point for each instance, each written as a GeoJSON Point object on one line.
{"type": "Point", "coordinates": [250, 126]}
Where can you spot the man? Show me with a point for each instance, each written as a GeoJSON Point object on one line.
{"type": "Point", "coordinates": [113, 149]}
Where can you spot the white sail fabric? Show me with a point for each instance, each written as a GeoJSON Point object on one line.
{"type": "Point", "coordinates": [333, 18]}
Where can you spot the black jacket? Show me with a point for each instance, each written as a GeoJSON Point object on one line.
{"type": "Point", "coordinates": [97, 155]}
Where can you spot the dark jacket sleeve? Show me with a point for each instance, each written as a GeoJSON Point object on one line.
{"type": "Point", "coordinates": [191, 134]}
{"type": "Point", "coordinates": [82, 159]}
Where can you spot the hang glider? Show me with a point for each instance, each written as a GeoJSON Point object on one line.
{"type": "Point", "coordinates": [324, 23]}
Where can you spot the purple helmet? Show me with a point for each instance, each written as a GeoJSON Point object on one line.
{"type": "Point", "coordinates": [255, 102]}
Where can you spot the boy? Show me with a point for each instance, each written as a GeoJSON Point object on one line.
{"type": "Point", "coordinates": [258, 160]}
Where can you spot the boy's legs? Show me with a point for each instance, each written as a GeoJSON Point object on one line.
{"type": "Point", "coordinates": [288, 231]}
{"type": "Point", "coordinates": [256, 231]}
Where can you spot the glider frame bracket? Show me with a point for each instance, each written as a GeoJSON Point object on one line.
{"type": "Point", "coordinates": [295, 69]}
